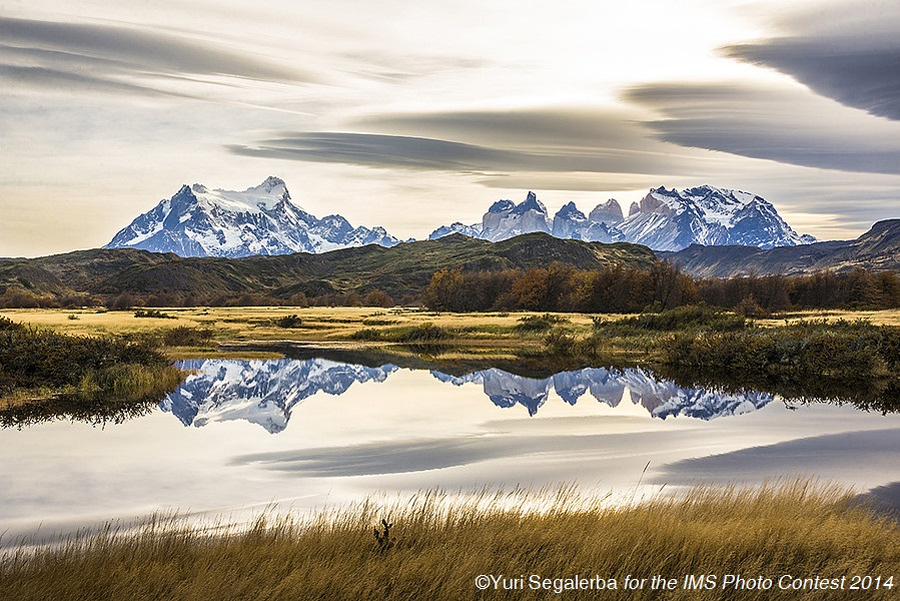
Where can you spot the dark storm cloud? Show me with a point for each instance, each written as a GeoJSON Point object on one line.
{"type": "Point", "coordinates": [791, 126]}
{"type": "Point", "coordinates": [106, 56]}
{"type": "Point", "coordinates": [485, 142]}
{"type": "Point", "coordinates": [857, 64]}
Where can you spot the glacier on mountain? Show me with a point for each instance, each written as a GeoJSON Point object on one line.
{"type": "Point", "coordinates": [663, 220]}
{"type": "Point", "coordinates": [262, 220]}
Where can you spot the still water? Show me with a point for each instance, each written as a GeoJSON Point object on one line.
{"type": "Point", "coordinates": [240, 435]}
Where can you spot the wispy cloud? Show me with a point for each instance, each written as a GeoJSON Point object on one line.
{"type": "Point", "coordinates": [117, 58]}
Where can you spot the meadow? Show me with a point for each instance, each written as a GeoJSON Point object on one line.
{"type": "Point", "coordinates": [343, 324]}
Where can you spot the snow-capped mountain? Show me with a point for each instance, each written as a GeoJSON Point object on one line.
{"type": "Point", "coordinates": [600, 226]}
{"type": "Point", "coordinates": [472, 231]}
{"type": "Point", "coordinates": [505, 219]}
{"type": "Point", "coordinates": [663, 220]}
{"type": "Point", "coordinates": [262, 220]}
{"type": "Point", "coordinates": [673, 220]}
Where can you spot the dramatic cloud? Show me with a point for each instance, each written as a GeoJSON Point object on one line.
{"type": "Point", "coordinates": [109, 106]}
{"type": "Point", "coordinates": [374, 150]}
{"type": "Point", "coordinates": [856, 63]}
{"type": "Point", "coordinates": [535, 141]}
{"type": "Point", "coordinates": [111, 58]}
{"type": "Point", "coordinates": [787, 125]}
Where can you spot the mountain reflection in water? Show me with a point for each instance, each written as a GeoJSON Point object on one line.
{"type": "Point", "coordinates": [264, 392]}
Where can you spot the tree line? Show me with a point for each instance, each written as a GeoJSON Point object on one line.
{"type": "Point", "coordinates": [558, 287]}
{"type": "Point", "coordinates": [618, 289]}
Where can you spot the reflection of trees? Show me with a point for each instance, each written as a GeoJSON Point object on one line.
{"type": "Point", "coordinates": [865, 393]}
{"type": "Point", "coordinates": [96, 411]}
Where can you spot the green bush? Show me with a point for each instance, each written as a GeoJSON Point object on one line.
{"type": "Point", "coordinates": [691, 317]}
{"type": "Point", "coordinates": [423, 333]}
{"type": "Point", "coordinates": [804, 350]}
{"type": "Point", "coordinates": [31, 358]}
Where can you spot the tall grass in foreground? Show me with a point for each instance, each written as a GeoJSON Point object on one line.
{"type": "Point", "coordinates": [439, 545]}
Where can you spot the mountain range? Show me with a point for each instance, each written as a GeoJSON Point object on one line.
{"type": "Point", "coordinates": [399, 270]}
{"type": "Point", "coordinates": [665, 220]}
{"type": "Point", "coordinates": [877, 249]}
{"type": "Point", "coordinates": [407, 268]}
{"type": "Point", "coordinates": [263, 220]}
{"type": "Point", "coordinates": [264, 392]}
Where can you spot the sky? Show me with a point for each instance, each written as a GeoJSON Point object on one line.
{"type": "Point", "coordinates": [414, 115]}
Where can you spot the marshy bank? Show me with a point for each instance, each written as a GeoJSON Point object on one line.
{"type": "Point", "coordinates": [803, 360]}
{"type": "Point", "coordinates": [438, 545]}
{"type": "Point", "coordinates": [43, 371]}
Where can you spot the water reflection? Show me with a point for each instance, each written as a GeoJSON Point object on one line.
{"type": "Point", "coordinates": [264, 392]}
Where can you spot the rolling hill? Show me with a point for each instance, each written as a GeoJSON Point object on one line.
{"type": "Point", "coordinates": [399, 270]}
{"type": "Point", "coordinates": [879, 248]}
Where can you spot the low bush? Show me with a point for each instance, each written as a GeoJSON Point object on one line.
{"type": "Point", "coordinates": [32, 359]}
{"type": "Point", "coordinates": [288, 321]}
{"type": "Point", "coordinates": [691, 317]}
{"type": "Point", "coordinates": [154, 314]}
{"type": "Point", "coordinates": [422, 333]}
{"type": "Point", "coordinates": [850, 350]}
{"type": "Point", "coordinates": [187, 336]}
{"type": "Point", "coordinates": [539, 323]}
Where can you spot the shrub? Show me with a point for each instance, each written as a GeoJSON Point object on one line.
{"type": "Point", "coordinates": [31, 358]}
{"type": "Point", "coordinates": [377, 298]}
{"type": "Point", "coordinates": [153, 313]}
{"type": "Point", "coordinates": [187, 336]}
{"type": "Point", "coordinates": [692, 317]}
{"type": "Point", "coordinates": [423, 333]}
{"type": "Point", "coordinates": [539, 323]}
{"type": "Point", "coordinates": [288, 321]}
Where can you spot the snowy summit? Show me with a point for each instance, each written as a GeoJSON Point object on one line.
{"type": "Point", "coordinates": [663, 220]}
{"type": "Point", "coordinates": [262, 220]}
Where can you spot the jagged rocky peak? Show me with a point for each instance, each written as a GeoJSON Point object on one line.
{"type": "Point", "coordinates": [506, 219]}
{"type": "Point", "coordinates": [659, 200]}
{"type": "Point", "coordinates": [262, 220]}
{"type": "Point", "coordinates": [502, 206]}
{"type": "Point", "coordinates": [568, 221]}
{"type": "Point", "coordinates": [531, 203]}
{"type": "Point", "coordinates": [457, 227]}
{"type": "Point", "coordinates": [607, 212]}
{"type": "Point", "coordinates": [665, 219]}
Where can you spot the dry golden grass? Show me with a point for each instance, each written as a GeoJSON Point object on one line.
{"type": "Point", "coordinates": [331, 323]}
{"type": "Point", "coordinates": [242, 324]}
{"type": "Point", "coordinates": [440, 544]}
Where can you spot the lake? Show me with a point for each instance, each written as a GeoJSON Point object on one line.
{"type": "Point", "coordinates": [240, 435]}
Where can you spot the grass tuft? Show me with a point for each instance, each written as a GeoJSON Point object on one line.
{"type": "Point", "coordinates": [440, 543]}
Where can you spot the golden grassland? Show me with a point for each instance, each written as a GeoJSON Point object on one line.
{"type": "Point", "coordinates": [340, 324]}
{"type": "Point", "coordinates": [439, 544]}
